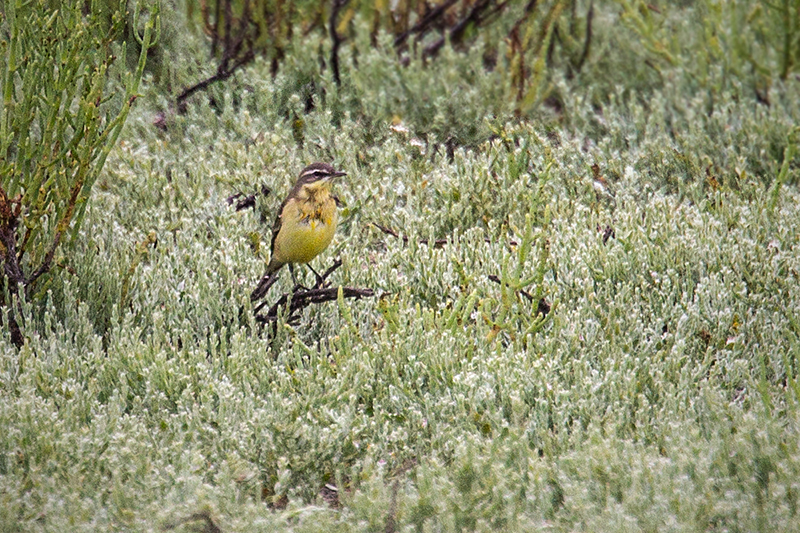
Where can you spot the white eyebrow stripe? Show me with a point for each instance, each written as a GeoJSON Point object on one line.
{"type": "Point", "coordinates": [315, 172]}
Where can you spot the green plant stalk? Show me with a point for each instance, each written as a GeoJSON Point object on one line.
{"type": "Point", "coordinates": [148, 40]}
{"type": "Point", "coordinates": [786, 59]}
{"type": "Point", "coordinates": [8, 77]}
{"type": "Point", "coordinates": [534, 93]}
{"type": "Point", "coordinates": [783, 173]}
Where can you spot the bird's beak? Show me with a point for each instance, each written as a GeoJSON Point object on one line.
{"type": "Point", "coordinates": [338, 174]}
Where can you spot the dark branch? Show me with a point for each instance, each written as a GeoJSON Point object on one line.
{"type": "Point", "coordinates": [232, 49]}
{"type": "Point", "coordinates": [222, 74]}
{"type": "Point", "coordinates": [48, 259]}
{"type": "Point", "coordinates": [242, 201]}
{"type": "Point", "coordinates": [336, 39]}
{"type": "Point", "coordinates": [61, 227]}
{"type": "Point", "coordinates": [303, 298]}
{"type": "Point", "coordinates": [438, 243]}
{"type": "Point", "coordinates": [299, 298]}
{"type": "Point", "coordinates": [474, 15]}
{"type": "Point", "coordinates": [588, 40]}
{"type": "Point", "coordinates": [425, 23]}
{"type": "Point", "coordinates": [10, 209]}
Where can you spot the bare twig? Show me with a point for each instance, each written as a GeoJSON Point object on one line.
{"type": "Point", "coordinates": [208, 525]}
{"type": "Point", "coordinates": [588, 40]}
{"type": "Point", "coordinates": [474, 16]}
{"type": "Point", "coordinates": [232, 49]}
{"type": "Point", "coordinates": [242, 201]}
{"type": "Point", "coordinates": [10, 209]}
{"type": "Point", "coordinates": [61, 227]}
{"type": "Point", "coordinates": [300, 298]}
{"type": "Point", "coordinates": [425, 22]}
{"type": "Point", "coordinates": [336, 39]}
{"type": "Point", "coordinates": [222, 74]}
{"type": "Point", "coordinates": [438, 243]}
{"type": "Point", "coordinates": [389, 231]}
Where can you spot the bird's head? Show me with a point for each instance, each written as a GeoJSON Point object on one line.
{"type": "Point", "coordinates": [316, 172]}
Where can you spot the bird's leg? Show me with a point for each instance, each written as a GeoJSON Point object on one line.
{"type": "Point", "coordinates": [294, 279]}
{"type": "Point", "coordinates": [320, 281]}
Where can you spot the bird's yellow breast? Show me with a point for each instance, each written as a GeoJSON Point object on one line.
{"type": "Point", "coordinates": [308, 224]}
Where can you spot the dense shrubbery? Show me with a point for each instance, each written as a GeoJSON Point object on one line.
{"type": "Point", "coordinates": [63, 110]}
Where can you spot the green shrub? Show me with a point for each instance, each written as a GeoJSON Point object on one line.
{"type": "Point", "coordinates": [63, 110]}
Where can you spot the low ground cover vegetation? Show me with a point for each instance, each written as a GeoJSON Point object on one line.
{"type": "Point", "coordinates": [586, 313]}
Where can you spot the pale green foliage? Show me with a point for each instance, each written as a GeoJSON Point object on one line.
{"type": "Point", "coordinates": [660, 393]}
{"type": "Point", "coordinates": [64, 107]}
{"type": "Point", "coordinates": [746, 40]}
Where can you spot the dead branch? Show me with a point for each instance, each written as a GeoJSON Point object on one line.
{"type": "Point", "coordinates": [232, 49]}
{"type": "Point", "coordinates": [223, 73]}
{"type": "Point", "coordinates": [61, 227]}
{"type": "Point", "coordinates": [476, 15]}
{"type": "Point", "coordinates": [300, 297]}
{"type": "Point", "coordinates": [438, 243]}
{"type": "Point", "coordinates": [242, 201]}
{"type": "Point", "coordinates": [588, 38]}
{"type": "Point", "coordinates": [422, 27]}
{"type": "Point", "coordinates": [10, 210]}
{"type": "Point", "coordinates": [457, 32]}
{"type": "Point", "coordinates": [336, 39]}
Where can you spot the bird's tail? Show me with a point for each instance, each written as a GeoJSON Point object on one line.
{"type": "Point", "coordinates": [267, 280]}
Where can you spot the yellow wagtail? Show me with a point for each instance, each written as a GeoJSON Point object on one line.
{"type": "Point", "coordinates": [305, 223]}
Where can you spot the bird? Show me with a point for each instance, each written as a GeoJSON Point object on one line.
{"type": "Point", "coordinates": [305, 224]}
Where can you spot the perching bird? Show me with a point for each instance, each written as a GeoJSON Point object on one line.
{"type": "Point", "coordinates": [305, 224]}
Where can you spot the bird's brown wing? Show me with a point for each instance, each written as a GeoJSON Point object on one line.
{"type": "Point", "coordinates": [276, 227]}
{"type": "Point", "coordinates": [270, 276]}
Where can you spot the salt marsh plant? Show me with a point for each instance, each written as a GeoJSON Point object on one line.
{"type": "Point", "coordinates": [656, 210]}
{"type": "Point", "coordinates": [65, 103]}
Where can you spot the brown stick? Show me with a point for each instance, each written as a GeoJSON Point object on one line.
{"type": "Point", "coordinates": [224, 71]}
{"type": "Point", "coordinates": [303, 298]}
{"type": "Point", "coordinates": [424, 24]}
{"type": "Point", "coordinates": [588, 39]}
{"type": "Point", "coordinates": [438, 243]}
{"type": "Point", "coordinates": [299, 298]}
{"type": "Point", "coordinates": [222, 74]}
{"type": "Point", "coordinates": [389, 231]}
{"type": "Point", "coordinates": [62, 226]}
{"type": "Point", "coordinates": [336, 39]}
{"type": "Point", "coordinates": [474, 15]}
{"type": "Point", "coordinates": [10, 209]}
